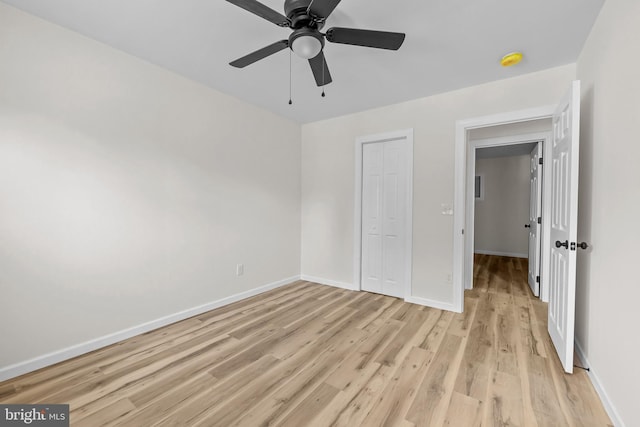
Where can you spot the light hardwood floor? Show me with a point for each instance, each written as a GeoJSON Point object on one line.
{"type": "Point", "coordinates": [312, 355]}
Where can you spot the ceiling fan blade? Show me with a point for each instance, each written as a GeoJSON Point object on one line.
{"type": "Point", "coordinates": [322, 8]}
{"type": "Point", "coordinates": [262, 11]}
{"type": "Point", "coordinates": [320, 69]}
{"type": "Point", "coordinates": [368, 38]}
{"type": "Point", "coordinates": [260, 54]}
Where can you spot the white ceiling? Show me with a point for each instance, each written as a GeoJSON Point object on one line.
{"type": "Point", "coordinates": [450, 44]}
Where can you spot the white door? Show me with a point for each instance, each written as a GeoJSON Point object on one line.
{"type": "Point", "coordinates": [564, 216]}
{"type": "Point", "coordinates": [384, 198]}
{"type": "Point", "coordinates": [372, 178]}
{"type": "Point", "coordinates": [535, 207]}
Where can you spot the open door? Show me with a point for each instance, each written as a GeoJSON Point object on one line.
{"type": "Point", "coordinates": [564, 224]}
{"type": "Point", "coordinates": [535, 207]}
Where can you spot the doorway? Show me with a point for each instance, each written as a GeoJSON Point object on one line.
{"type": "Point", "coordinates": [383, 213]}
{"type": "Point", "coordinates": [462, 245]}
{"type": "Point", "coordinates": [506, 218]}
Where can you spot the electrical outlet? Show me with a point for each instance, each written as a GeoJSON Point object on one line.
{"type": "Point", "coordinates": [239, 269]}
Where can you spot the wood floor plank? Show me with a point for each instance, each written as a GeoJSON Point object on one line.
{"type": "Point", "coordinates": [461, 322]}
{"type": "Point", "coordinates": [274, 406]}
{"type": "Point", "coordinates": [384, 313]}
{"type": "Point", "coordinates": [46, 389]}
{"type": "Point", "coordinates": [393, 404]}
{"type": "Point", "coordinates": [167, 403]}
{"type": "Point", "coordinates": [506, 336]}
{"type": "Point", "coordinates": [575, 393]}
{"type": "Point", "coordinates": [431, 402]}
{"type": "Point", "coordinates": [479, 353]}
{"type": "Point", "coordinates": [351, 368]}
{"type": "Point", "coordinates": [385, 304]}
{"type": "Point", "coordinates": [346, 397]}
{"type": "Point", "coordinates": [115, 382]}
{"type": "Point", "coordinates": [169, 378]}
{"type": "Point", "coordinates": [531, 337]}
{"type": "Point", "coordinates": [543, 394]}
{"type": "Point", "coordinates": [413, 321]}
{"type": "Point", "coordinates": [248, 356]}
{"type": "Point", "coordinates": [106, 416]}
{"type": "Point", "coordinates": [282, 294]}
{"type": "Point", "coordinates": [356, 408]}
{"type": "Point", "coordinates": [310, 407]}
{"type": "Point", "coordinates": [464, 411]}
{"type": "Point", "coordinates": [155, 385]}
{"type": "Point", "coordinates": [436, 326]}
{"type": "Point", "coordinates": [204, 398]}
{"type": "Point", "coordinates": [503, 406]}
{"type": "Point", "coordinates": [311, 355]}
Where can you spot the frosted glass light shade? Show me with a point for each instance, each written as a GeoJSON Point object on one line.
{"type": "Point", "coordinates": [306, 47]}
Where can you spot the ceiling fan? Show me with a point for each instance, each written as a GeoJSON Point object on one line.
{"type": "Point", "coordinates": [306, 18]}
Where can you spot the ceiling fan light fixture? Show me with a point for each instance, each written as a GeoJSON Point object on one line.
{"type": "Point", "coordinates": [306, 18]}
{"type": "Point", "coordinates": [306, 46]}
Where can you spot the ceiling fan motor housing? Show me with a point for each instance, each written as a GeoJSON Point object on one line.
{"type": "Point", "coordinates": [297, 12]}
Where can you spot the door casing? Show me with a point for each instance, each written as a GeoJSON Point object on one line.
{"type": "Point", "coordinates": [406, 136]}
{"type": "Point", "coordinates": [462, 261]}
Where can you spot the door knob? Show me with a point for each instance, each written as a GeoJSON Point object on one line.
{"type": "Point", "coordinates": [583, 245]}
{"type": "Point", "coordinates": [559, 244]}
{"type": "Point", "coordinates": [527, 226]}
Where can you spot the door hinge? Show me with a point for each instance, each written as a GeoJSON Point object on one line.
{"type": "Point", "coordinates": [573, 246]}
{"type": "Point", "coordinates": [539, 220]}
{"type": "Point", "coordinates": [537, 279]}
{"type": "Point", "coordinates": [540, 161]}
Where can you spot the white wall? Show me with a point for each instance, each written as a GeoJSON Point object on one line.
{"type": "Point", "coordinates": [128, 193]}
{"type": "Point", "coordinates": [608, 289]}
{"type": "Point", "coordinates": [328, 174]}
{"type": "Point", "coordinates": [501, 216]}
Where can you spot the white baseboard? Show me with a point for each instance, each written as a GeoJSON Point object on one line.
{"type": "Point", "coordinates": [415, 300]}
{"type": "Point", "coordinates": [606, 401]}
{"type": "Point", "coordinates": [441, 305]}
{"type": "Point", "coordinates": [498, 253]}
{"type": "Point", "coordinates": [48, 359]}
{"type": "Point", "coordinates": [329, 282]}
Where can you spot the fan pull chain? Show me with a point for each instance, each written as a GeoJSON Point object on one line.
{"type": "Point", "coordinates": [290, 101]}
{"type": "Point", "coordinates": [323, 65]}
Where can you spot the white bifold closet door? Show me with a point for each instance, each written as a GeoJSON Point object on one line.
{"type": "Point", "coordinates": [384, 207]}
